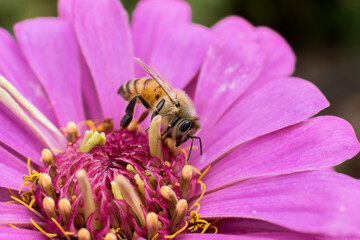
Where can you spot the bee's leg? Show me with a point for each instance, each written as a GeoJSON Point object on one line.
{"type": "Point", "coordinates": [125, 121]}
{"type": "Point", "coordinates": [171, 125]}
{"type": "Point", "coordinates": [158, 108]}
{"type": "Point", "coordinates": [143, 116]}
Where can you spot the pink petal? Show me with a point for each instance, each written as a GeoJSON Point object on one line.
{"type": "Point", "coordinates": [321, 142]}
{"type": "Point", "coordinates": [153, 18]}
{"type": "Point", "coordinates": [195, 236]}
{"type": "Point", "coordinates": [50, 46]}
{"type": "Point", "coordinates": [16, 214]}
{"type": "Point", "coordinates": [90, 97]}
{"type": "Point", "coordinates": [18, 137]}
{"type": "Point", "coordinates": [12, 170]}
{"type": "Point", "coordinates": [104, 36]}
{"type": "Point", "coordinates": [246, 226]}
{"type": "Point", "coordinates": [231, 65]}
{"type": "Point", "coordinates": [10, 233]}
{"type": "Point", "coordinates": [280, 58]}
{"type": "Point", "coordinates": [14, 67]}
{"type": "Point", "coordinates": [253, 236]}
{"type": "Point", "coordinates": [179, 53]}
{"type": "Point", "coordinates": [315, 202]}
{"type": "Point", "coordinates": [278, 104]}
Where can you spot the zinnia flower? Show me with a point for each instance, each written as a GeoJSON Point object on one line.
{"type": "Point", "coordinates": [265, 171]}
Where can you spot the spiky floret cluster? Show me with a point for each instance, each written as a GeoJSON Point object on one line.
{"type": "Point", "coordinates": [109, 184]}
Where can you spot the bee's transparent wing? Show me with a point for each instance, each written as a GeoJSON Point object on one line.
{"type": "Point", "coordinates": [158, 78]}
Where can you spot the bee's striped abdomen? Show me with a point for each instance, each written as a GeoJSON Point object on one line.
{"type": "Point", "coordinates": [131, 88]}
{"type": "Point", "coordinates": [148, 88]}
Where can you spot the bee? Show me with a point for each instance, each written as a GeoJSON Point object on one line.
{"type": "Point", "coordinates": [173, 105]}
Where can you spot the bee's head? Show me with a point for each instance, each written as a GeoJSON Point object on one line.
{"type": "Point", "coordinates": [186, 128]}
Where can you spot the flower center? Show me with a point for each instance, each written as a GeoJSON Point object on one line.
{"type": "Point", "coordinates": [110, 184]}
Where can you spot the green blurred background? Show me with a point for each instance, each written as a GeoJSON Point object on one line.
{"type": "Point", "coordinates": [324, 34]}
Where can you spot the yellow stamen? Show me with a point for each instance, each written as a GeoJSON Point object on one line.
{"type": "Point", "coordinates": [28, 165]}
{"type": "Point", "coordinates": [203, 173]}
{"type": "Point", "coordinates": [195, 169]}
{"type": "Point", "coordinates": [13, 226]}
{"type": "Point", "coordinates": [62, 230]}
{"type": "Point", "coordinates": [110, 236]}
{"type": "Point", "coordinates": [72, 132]}
{"type": "Point", "coordinates": [56, 150]}
{"type": "Point", "coordinates": [49, 206]}
{"type": "Point", "coordinates": [32, 202]}
{"type": "Point", "coordinates": [186, 155]}
{"type": "Point", "coordinates": [130, 168]}
{"type": "Point", "coordinates": [65, 209]}
{"type": "Point", "coordinates": [31, 209]}
{"type": "Point", "coordinates": [84, 234]}
{"type": "Point", "coordinates": [116, 191]}
{"type": "Point", "coordinates": [154, 237]}
{"type": "Point", "coordinates": [151, 225]}
{"type": "Point", "coordinates": [155, 142]}
{"type": "Point", "coordinates": [203, 187]}
{"type": "Point", "coordinates": [86, 192]}
{"type": "Point", "coordinates": [180, 212]}
{"type": "Point", "coordinates": [50, 235]}
{"type": "Point", "coordinates": [46, 186]}
{"type": "Point", "coordinates": [131, 198]}
{"type": "Point", "coordinates": [91, 139]}
{"type": "Point", "coordinates": [169, 195]}
{"type": "Point", "coordinates": [47, 157]}
{"type": "Point", "coordinates": [11, 192]}
{"type": "Point", "coordinates": [140, 184]}
{"type": "Point", "coordinates": [185, 180]}
{"type": "Point", "coordinates": [179, 231]}
{"type": "Point", "coordinates": [216, 229]}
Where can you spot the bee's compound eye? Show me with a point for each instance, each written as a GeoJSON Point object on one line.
{"type": "Point", "coordinates": [185, 125]}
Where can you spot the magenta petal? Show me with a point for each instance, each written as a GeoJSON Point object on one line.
{"type": "Point", "coordinates": [16, 214]}
{"type": "Point", "coordinates": [151, 19]}
{"type": "Point", "coordinates": [315, 202]}
{"type": "Point", "coordinates": [12, 170]}
{"type": "Point", "coordinates": [14, 68]}
{"type": "Point", "coordinates": [178, 54]}
{"type": "Point", "coordinates": [103, 32]}
{"type": "Point", "coordinates": [10, 233]}
{"type": "Point", "coordinates": [280, 58]}
{"type": "Point", "coordinates": [18, 137]}
{"type": "Point", "coordinates": [50, 46]}
{"type": "Point", "coordinates": [92, 106]}
{"type": "Point", "coordinates": [321, 142]}
{"type": "Point", "coordinates": [231, 65]}
{"type": "Point", "coordinates": [199, 236]}
{"type": "Point", "coordinates": [278, 104]}
{"type": "Point", "coordinates": [253, 236]}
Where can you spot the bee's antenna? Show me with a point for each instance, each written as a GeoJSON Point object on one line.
{"type": "Point", "coordinates": [200, 143]}
{"type": "Point", "coordinates": [191, 147]}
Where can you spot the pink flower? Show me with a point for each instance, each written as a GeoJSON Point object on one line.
{"type": "Point", "coordinates": [270, 174]}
